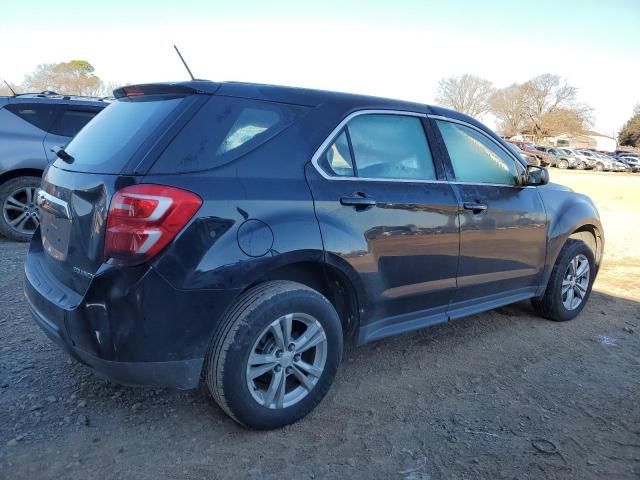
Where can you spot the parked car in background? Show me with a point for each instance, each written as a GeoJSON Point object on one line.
{"type": "Point", "coordinates": [246, 254]}
{"type": "Point", "coordinates": [588, 160]}
{"type": "Point", "coordinates": [604, 162]}
{"type": "Point", "coordinates": [563, 159]}
{"type": "Point", "coordinates": [30, 126]}
{"type": "Point", "coordinates": [615, 165]}
{"type": "Point", "coordinates": [527, 157]}
{"type": "Point", "coordinates": [632, 162]}
{"type": "Point", "coordinates": [529, 148]}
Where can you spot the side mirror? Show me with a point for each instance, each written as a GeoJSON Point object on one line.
{"type": "Point", "coordinates": [536, 175]}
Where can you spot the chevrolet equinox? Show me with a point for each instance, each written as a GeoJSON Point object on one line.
{"type": "Point", "coordinates": [240, 233]}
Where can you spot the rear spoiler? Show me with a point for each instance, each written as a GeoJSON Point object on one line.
{"type": "Point", "coordinates": [179, 88]}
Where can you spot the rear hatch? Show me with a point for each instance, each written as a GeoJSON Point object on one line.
{"type": "Point", "coordinates": [106, 156]}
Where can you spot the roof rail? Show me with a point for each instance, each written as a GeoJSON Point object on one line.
{"type": "Point", "coordinates": [52, 94]}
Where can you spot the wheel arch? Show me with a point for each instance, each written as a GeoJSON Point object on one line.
{"type": "Point", "coordinates": [328, 278]}
{"type": "Point", "coordinates": [20, 172]}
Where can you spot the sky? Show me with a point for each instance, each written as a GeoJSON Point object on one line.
{"type": "Point", "coordinates": [397, 49]}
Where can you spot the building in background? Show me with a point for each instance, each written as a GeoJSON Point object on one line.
{"type": "Point", "coordinates": [587, 139]}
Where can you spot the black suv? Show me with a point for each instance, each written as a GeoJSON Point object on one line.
{"type": "Point", "coordinates": [30, 126]}
{"type": "Point", "coordinates": [242, 232]}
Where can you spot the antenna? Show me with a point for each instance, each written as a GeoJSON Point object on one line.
{"type": "Point", "coordinates": [12, 90]}
{"type": "Point", "coordinates": [184, 63]}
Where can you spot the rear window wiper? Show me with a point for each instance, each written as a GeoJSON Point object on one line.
{"type": "Point", "coordinates": [61, 154]}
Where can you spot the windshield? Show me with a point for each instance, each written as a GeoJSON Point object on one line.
{"type": "Point", "coordinates": [114, 136]}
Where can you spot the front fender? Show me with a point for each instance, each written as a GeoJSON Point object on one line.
{"type": "Point", "coordinates": [567, 213]}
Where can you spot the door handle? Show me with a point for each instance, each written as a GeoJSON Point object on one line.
{"type": "Point", "coordinates": [476, 207]}
{"type": "Point", "coordinates": [359, 200]}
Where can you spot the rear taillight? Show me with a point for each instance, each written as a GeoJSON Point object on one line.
{"type": "Point", "coordinates": [143, 219]}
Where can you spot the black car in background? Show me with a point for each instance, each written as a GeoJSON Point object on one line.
{"type": "Point", "coordinates": [30, 126]}
{"type": "Point", "coordinates": [245, 232]}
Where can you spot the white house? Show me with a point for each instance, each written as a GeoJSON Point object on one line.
{"type": "Point", "coordinates": [603, 142]}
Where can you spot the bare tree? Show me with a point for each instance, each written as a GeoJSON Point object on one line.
{"type": "Point", "coordinates": [543, 106]}
{"type": "Point", "coordinates": [465, 93]}
{"type": "Point", "coordinates": [509, 105]}
{"type": "Point", "coordinates": [549, 99]}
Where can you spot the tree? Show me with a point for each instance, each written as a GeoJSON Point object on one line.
{"type": "Point", "coordinates": [549, 98]}
{"type": "Point", "coordinates": [543, 106]}
{"type": "Point", "coordinates": [630, 133]}
{"type": "Point", "coordinates": [509, 105]}
{"type": "Point", "coordinates": [465, 93]}
{"type": "Point", "coordinates": [75, 77]}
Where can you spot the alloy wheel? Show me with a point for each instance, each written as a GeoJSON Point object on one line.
{"type": "Point", "coordinates": [286, 361]}
{"type": "Point", "coordinates": [20, 211]}
{"type": "Point", "coordinates": [575, 282]}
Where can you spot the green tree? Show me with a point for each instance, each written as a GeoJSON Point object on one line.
{"type": "Point", "coordinates": [74, 77]}
{"type": "Point", "coordinates": [630, 133]}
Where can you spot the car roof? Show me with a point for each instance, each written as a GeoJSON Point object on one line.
{"type": "Point", "coordinates": [302, 96]}
{"type": "Point", "coordinates": [53, 98]}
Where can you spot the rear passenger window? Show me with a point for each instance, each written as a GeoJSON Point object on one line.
{"type": "Point", "coordinates": [475, 157]}
{"type": "Point", "coordinates": [391, 147]}
{"type": "Point", "coordinates": [337, 159]}
{"type": "Point", "coordinates": [224, 129]}
{"type": "Point", "coordinates": [382, 146]}
{"type": "Point", "coordinates": [38, 115]}
{"type": "Point", "coordinates": [72, 121]}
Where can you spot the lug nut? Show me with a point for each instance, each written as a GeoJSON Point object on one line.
{"type": "Point", "coordinates": [277, 368]}
{"type": "Point", "coordinates": [278, 353]}
{"type": "Point", "coordinates": [289, 370]}
{"type": "Point", "coordinates": [292, 347]}
{"type": "Point", "coordinates": [296, 357]}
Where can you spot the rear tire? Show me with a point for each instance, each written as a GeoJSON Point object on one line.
{"type": "Point", "coordinates": [19, 214]}
{"type": "Point", "coordinates": [599, 167]}
{"type": "Point", "coordinates": [555, 303]}
{"type": "Point", "coordinates": [246, 342]}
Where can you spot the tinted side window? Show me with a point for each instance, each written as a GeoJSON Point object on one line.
{"type": "Point", "coordinates": [476, 158]}
{"type": "Point", "coordinates": [72, 121]}
{"type": "Point", "coordinates": [337, 161]}
{"type": "Point", "coordinates": [224, 129]}
{"type": "Point", "coordinates": [391, 147]}
{"type": "Point", "coordinates": [38, 115]}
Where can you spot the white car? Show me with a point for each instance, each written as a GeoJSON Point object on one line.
{"type": "Point", "coordinates": [606, 163]}
{"type": "Point", "coordinates": [589, 161]}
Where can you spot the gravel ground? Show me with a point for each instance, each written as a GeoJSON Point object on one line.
{"type": "Point", "coordinates": [504, 394]}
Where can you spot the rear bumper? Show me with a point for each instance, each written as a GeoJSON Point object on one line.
{"type": "Point", "coordinates": [130, 326]}
{"type": "Point", "coordinates": [181, 374]}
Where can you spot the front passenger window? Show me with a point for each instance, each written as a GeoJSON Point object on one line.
{"type": "Point", "coordinates": [476, 158]}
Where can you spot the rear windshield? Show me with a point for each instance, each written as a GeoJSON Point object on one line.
{"type": "Point", "coordinates": [108, 142]}
{"type": "Point", "coordinates": [223, 130]}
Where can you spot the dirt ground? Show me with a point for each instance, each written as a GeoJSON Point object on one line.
{"type": "Point", "coordinates": [504, 394]}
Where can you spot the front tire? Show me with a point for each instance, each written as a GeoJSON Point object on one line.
{"type": "Point", "coordinates": [563, 164]}
{"type": "Point", "coordinates": [599, 167]}
{"type": "Point", "coordinates": [570, 283]}
{"type": "Point", "coordinates": [274, 355]}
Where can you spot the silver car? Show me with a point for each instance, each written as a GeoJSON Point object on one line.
{"type": "Point", "coordinates": [589, 161]}
{"type": "Point", "coordinates": [30, 126]}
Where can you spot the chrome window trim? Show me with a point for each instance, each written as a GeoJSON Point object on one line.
{"type": "Point", "coordinates": [334, 133]}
